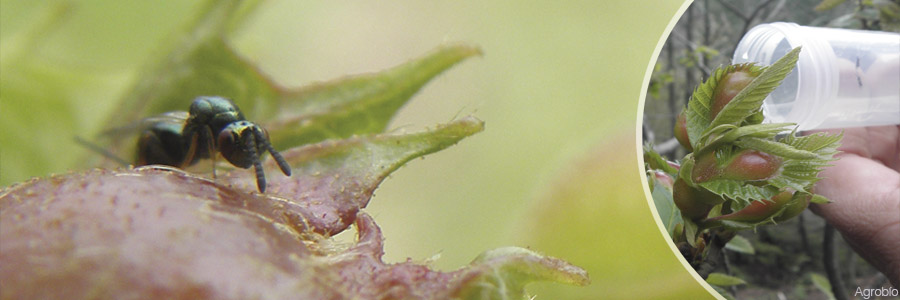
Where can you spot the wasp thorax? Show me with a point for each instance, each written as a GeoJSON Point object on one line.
{"type": "Point", "coordinates": [215, 112]}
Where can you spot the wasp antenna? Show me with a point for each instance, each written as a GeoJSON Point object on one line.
{"type": "Point", "coordinates": [100, 150]}
{"type": "Point", "coordinates": [282, 164]}
{"type": "Point", "coordinates": [257, 165]}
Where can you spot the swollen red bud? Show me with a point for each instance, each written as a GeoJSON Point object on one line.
{"type": "Point", "coordinates": [794, 208]}
{"type": "Point", "coordinates": [747, 165]}
{"type": "Point", "coordinates": [727, 88]}
{"type": "Point", "coordinates": [662, 179]}
{"type": "Point", "coordinates": [694, 203]}
{"type": "Point", "coordinates": [759, 211]}
{"type": "Point", "coordinates": [681, 131]}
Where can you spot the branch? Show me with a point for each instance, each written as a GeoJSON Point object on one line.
{"type": "Point", "coordinates": [749, 20]}
{"type": "Point", "coordinates": [804, 237]}
{"type": "Point", "coordinates": [647, 132]}
{"type": "Point", "coordinates": [669, 145]}
{"type": "Point", "coordinates": [715, 252]}
{"type": "Point", "coordinates": [831, 268]}
{"type": "Point", "coordinates": [733, 10]}
{"type": "Point", "coordinates": [756, 12]}
{"type": "Point", "coordinates": [693, 47]}
{"type": "Point", "coordinates": [776, 9]}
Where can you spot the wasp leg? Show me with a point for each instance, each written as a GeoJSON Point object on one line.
{"type": "Point", "coordinates": [210, 148]}
{"type": "Point", "coordinates": [191, 152]}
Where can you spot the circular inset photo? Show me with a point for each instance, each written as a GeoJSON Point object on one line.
{"type": "Point", "coordinates": [772, 147]}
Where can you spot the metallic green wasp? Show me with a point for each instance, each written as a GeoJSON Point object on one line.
{"type": "Point", "coordinates": [213, 125]}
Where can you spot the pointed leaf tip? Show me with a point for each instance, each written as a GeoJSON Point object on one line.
{"type": "Point", "coordinates": [358, 104]}
{"type": "Point", "coordinates": [503, 273]}
{"type": "Point", "coordinates": [721, 279]}
{"type": "Point", "coordinates": [749, 100]}
{"type": "Point", "coordinates": [333, 180]}
{"type": "Point", "coordinates": [533, 266]}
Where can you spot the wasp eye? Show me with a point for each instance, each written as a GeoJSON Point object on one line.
{"type": "Point", "coordinates": [228, 143]}
{"type": "Point", "coordinates": [237, 144]}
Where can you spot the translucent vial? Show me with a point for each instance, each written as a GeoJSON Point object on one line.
{"type": "Point", "coordinates": [844, 78]}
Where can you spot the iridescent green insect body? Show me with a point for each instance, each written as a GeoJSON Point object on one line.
{"type": "Point", "coordinates": [213, 124]}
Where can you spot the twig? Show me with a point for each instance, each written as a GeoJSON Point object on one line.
{"type": "Point", "coordinates": [865, 23]}
{"type": "Point", "coordinates": [850, 275]}
{"type": "Point", "coordinates": [749, 19]}
{"type": "Point", "coordinates": [647, 133]}
{"type": "Point", "coordinates": [733, 10]}
{"type": "Point", "coordinates": [711, 262]}
{"type": "Point", "coordinates": [715, 252]}
{"type": "Point", "coordinates": [804, 237]}
{"type": "Point", "coordinates": [727, 264]}
{"type": "Point", "coordinates": [666, 147]}
{"type": "Point", "coordinates": [831, 268]}
{"type": "Point", "coordinates": [698, 57]}
{"type": "Point", "coordinates": [776, 9]}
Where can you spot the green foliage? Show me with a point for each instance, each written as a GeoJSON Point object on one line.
{"type": "Point", "coordinates": [357, 104]}
{"type": "Point", "coordinates": [720, 279]}
{"type": "Point", "coordinates": [759, 212]}
{"type": "Point", "coordinates": [707, 52]}
{"type": "Point", "coordinates": [505, 271]}
{"type": "Point", "coordinates": [203, 63]}
{"type": "Point", "coordinates": [871, 14]}
{"type": "Point", "coordinates": [690, 57]}
{"type": "Point", "coordinates": [668, 212]}
{"type": "Point", "coordinates": [740, 191]}
{"type": "Point", "coordinates": [818, 199]}
{"type": "Point", "coordinates": [828, 4]}
{"type": "Point", "coordinates": [658, 80]}
{"type": "Point", "coordinates": [740, 244]}
{"type": "Point", "coordinates": [800, 173]}
{"type": "Point", "coordinates": [727, 134]}
{"type": "Point", "coordinates": [763, 178]}
{"type": "Point", "coordinates": [657, 162]}
{"type": "Point", "coordinates": [803, 157]}
{"type": "Point", "coordinates": [698, 113]}
{"type": "Point", "coordinates": [749, 100]}
{"type": "Point", "coordinates": [822, 284]}
{"type": "Point", "coordinates": [722, 292]}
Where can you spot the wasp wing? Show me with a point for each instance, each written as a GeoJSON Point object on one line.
{"type": "Point", "coordinates": [118, 142]}
{"type": "Point", "coordinates": [172, 117]}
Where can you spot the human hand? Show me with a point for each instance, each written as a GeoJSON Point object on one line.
{"type": "Point", "coordinates": [864, 187]}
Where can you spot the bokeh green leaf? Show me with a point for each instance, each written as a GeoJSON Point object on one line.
{"type": "Point", "coordinates": [740, 244]}
{"type": "Point", "coordinates": [202, 62]}
{"type": "Point", "coordinates": [357, 104]}
{"type": "Point", "coordinates": [720, 279]}
{"type": "Point", "coordinates": [665, 207]}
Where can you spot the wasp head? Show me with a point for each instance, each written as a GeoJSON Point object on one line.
{"type": "Point", "coordinates": [242, 143]}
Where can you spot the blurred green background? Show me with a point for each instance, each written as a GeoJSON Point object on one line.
{"type": "Point", "coordinates": [556, 169]}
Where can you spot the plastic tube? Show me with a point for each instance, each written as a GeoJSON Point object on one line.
{"type": "Point", "coordinates": [844, 78]}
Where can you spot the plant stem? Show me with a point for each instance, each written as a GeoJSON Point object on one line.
{"type": "Point", "coordinates": [831, 267]}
